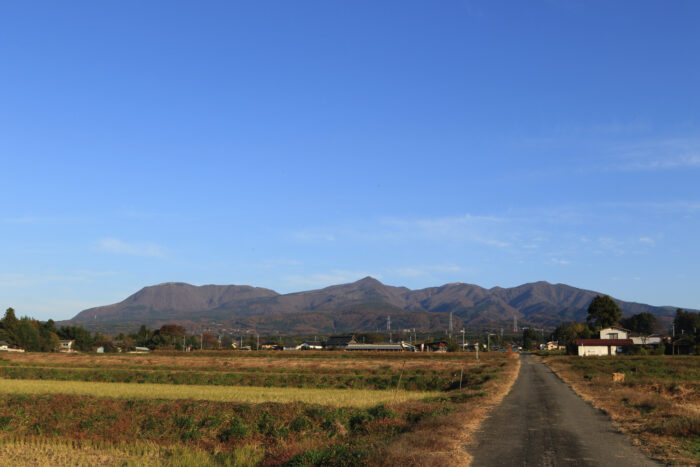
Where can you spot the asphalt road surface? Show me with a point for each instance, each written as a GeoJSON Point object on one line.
{"type": "Point", "coordinates": [542, 422]}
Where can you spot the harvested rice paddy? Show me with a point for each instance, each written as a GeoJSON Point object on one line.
{"type": "Point", "coordinates": [252, 395]}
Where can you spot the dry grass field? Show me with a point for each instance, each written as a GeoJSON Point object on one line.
{"type": "Point", "coordinates": [657, 402]}
{"type": "Point", "coordinates": [247, 394]}
{"type": "Point", "coordinates": [274, 408]}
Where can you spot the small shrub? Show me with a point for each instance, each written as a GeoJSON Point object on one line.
{"type": "Point", "coordinates": [359, 421]}
{"type": "Point", "coordinates": [380, 411]}
{"type": "Point", "coordinates": [299, 424]}
{"type": "Point", "coordinates": [237, 429]}
{"type": "Point", "coordinates": [685, 427]}
{"type": "Point", "coordinates": [5, 422]}
{"type": "Point", "coordinates": [341, 455]}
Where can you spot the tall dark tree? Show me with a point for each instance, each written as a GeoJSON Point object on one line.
{"type": "Point", "coordinates": [81, 336]}
{"type": "Point", "coordinates": [603, 312]}
{"type": "Point", "coordinates": [530, 338]}
{"type": "Point", "coordinates": [642, 323]}
{"type": "Point", "coordinates": [9, 321]}
{"type": "Point", "coordinates": [28, 335]}
{"type": "Point", "coordinates": [687, 323]}
{"type": "Point", "coordinates": [566, 334]}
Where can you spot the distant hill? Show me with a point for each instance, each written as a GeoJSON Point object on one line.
{"type": "Point", "coordinates": [358, 306]}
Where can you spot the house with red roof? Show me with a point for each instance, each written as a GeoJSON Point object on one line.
{"type": "Point", "coordinates": [611, 342]}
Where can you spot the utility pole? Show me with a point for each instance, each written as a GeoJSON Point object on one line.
{"type": "Point", "coordinates": [462, 339]}
{"type": "Point", "coordinates": [201, 341]}
{"type": "Point", "coordinates": [257, 346]}
{"type": "Point", "coordinates": [450, 334]}
{"type": "Point", "coordinates": [515, 323]}
{"type": "Point", "coordinates": [388, 326]}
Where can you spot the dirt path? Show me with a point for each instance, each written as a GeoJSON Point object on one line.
{"type": "Point", "coordinates": [542, 422]}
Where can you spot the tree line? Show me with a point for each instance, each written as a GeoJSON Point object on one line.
{"type": "Point", "coordinates": [44, 336]}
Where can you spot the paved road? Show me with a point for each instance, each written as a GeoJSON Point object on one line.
{"type": "Point", "coordinates": [542, 422]}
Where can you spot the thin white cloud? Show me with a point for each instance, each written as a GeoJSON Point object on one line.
{"type": "Point", "coordinates": [117, 246]}
{"type": "Point", "coordinates": [667, 154]}
{"type": "Point", "coordinates": [312, 236]}
{"type": "Point", "coordinates": [410, 272]}
{"type": "Point", "coordinates": [646, 240]}
{"type": "Point", "coordinates": [671, 207]}
{"type": "Point", "coordinates": [560, 261]}
{"type": "Point", "coordinates": [485, 230]}
{"type": "Point", "coordinates": [610, 245]}
{"type": "Point", "coordinates": [682, 161]}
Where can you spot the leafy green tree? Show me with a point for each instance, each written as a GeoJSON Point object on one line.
{"type": "Point", "coordinates": [530, 338]}
{"type": "Point", "coordinates": [603, 312]}
{"type": "Point", "coordinates": [28, 335]}
{"type": "Point", "coordinates": [250, 341]}
{"type": "Point", "coordinates": [172, 330]}
{"type": "Point", "coordinates": [83, 340]}
{"type": "Point", "coordinates": [143, 337]}
{"type": "Point", "coordinates": [49, 340]}
{"type": "Point", "coordinates": [9, 325]}
{"type": "Point", "coordinates": [226, 342]}
{"type": "Point", "coordinates": [192, 341]}
{"type": "Point", "coordinates": [49, 326]}
{"type": "Point", "coordinates": [452, 345]}
{"type": "Point", "coordinates": [687, 326]}
{"type": "Point", "coordinates": [642, 323]}
{"type": "Point", "coordinates": [211, 342]}
{"type": "Point", "coordinates": [566, 334]}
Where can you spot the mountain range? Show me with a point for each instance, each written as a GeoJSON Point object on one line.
{"type": "Point", "coordinates": [358, 306]}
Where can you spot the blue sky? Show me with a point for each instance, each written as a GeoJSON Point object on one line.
{"type": "Point", "coordinates": [294, 145]}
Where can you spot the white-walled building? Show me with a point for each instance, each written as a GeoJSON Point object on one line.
{"type": "Point", "coordinates": [66, 346]}
{"type": "Point", "coordinates": [600, 347]}
{"type": "Point", "coordinates": [614, 333]}
{"type": "Point", "coordinates": [611, 342]}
